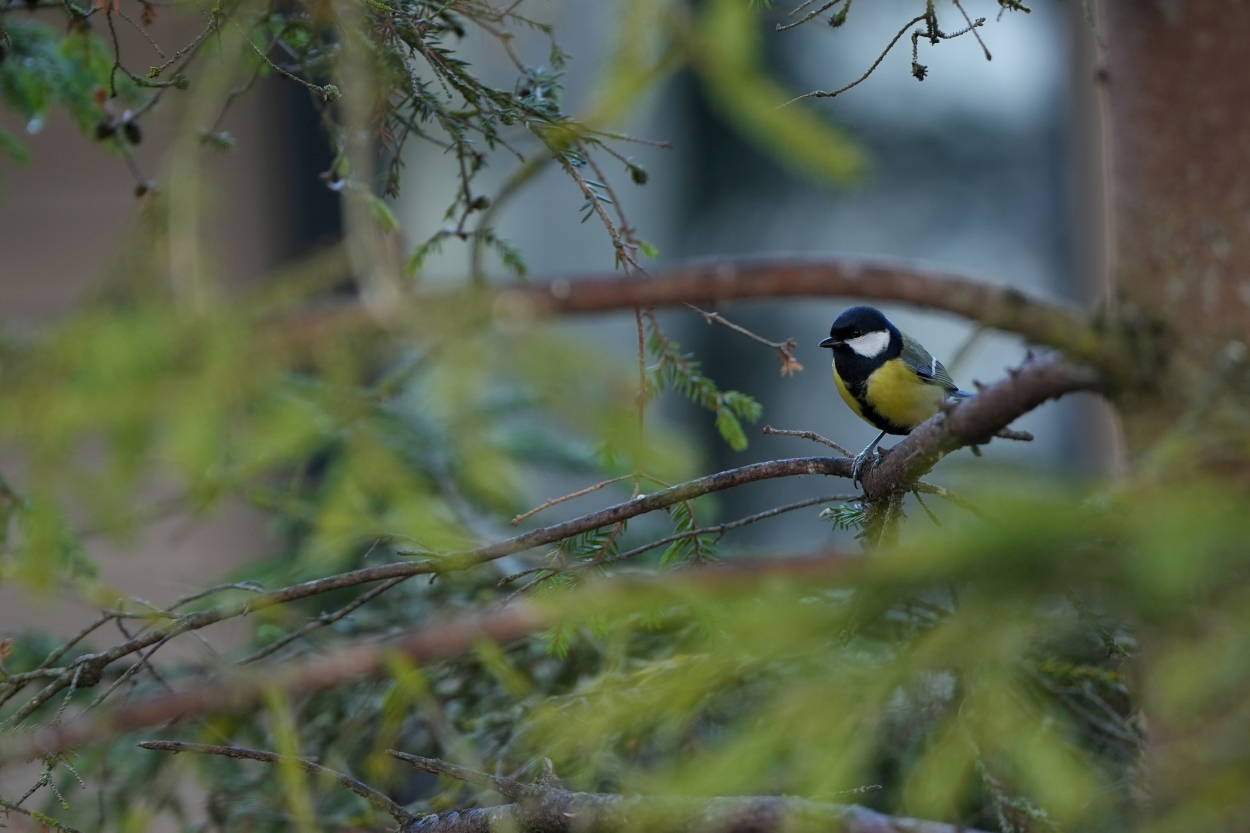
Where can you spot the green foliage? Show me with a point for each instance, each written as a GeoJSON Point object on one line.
{"type": "Point", "coordinates": [697, 547]}
{"type": "Point", "coordinates": [729, 49]}
{"type": "Point", "coordinates": [678, 371]}
{"type": "Point", "coordinates": [723, 47]}
{"type": "Point", "coordinates": [848, 516]}
{"type": "Point", "coordinates": [44, 69]}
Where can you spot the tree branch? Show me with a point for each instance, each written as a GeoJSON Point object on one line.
{"type": "Point", "coordinates": [504, 786]}
{"type": "Point", "coordinates": [240, 690]}
{"type": "Point", "coordinates": [710, 282]}
{"type": "Point", "coordinates": [974, 421]}
{"type": "Point", "coordinates": [545, 809]}
{"type": "Point", "coordinates": [377, 799]}
{"type": "Point", "coordinates": [88, 668]}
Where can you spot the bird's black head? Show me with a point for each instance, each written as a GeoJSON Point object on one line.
{"type": "Point", "coordinates": [864, 332]}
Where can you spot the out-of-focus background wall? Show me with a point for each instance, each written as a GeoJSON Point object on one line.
{"type": "Point", "coordinates": [979, 169]}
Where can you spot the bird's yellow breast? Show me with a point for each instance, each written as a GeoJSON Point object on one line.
{"type": "Point", "coordinates": [896, 393]}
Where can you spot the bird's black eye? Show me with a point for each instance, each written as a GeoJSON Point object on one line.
{"type": "Point", "coordinates": [856, 334]}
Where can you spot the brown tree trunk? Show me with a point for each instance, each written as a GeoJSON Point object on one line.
{"type": "Point", "coordinates": [1178, 112]}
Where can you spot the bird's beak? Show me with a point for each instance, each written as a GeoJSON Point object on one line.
{"type": "Point", "coordinates": [831, 342]}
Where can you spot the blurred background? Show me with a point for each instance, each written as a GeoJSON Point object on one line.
{"type": "Point", "coordinates": [987, 168]}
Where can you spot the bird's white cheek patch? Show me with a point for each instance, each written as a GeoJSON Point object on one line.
{"type": "Point", "coordinates": [870, 345]}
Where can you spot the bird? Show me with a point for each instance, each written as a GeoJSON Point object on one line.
{"type": "Point", "coordinates": [885, 376]}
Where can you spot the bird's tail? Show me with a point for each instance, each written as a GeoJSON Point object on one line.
{"type": "Point", "coordinates": [961, 394]}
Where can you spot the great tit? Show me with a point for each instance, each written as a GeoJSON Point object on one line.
{"type": "Point", "coordinates": [886, 377]}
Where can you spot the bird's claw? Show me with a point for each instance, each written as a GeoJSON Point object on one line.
{"type": "Point", "coordinates": [866, 459]}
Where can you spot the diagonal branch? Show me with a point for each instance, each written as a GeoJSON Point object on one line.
{"type": "Point", "coordinates": [504, 786]}
{"type": "Point", "coordinates": [377, 799]}
{"type": "Point", "coordinates": [976, 420]}
{"type": "Point", "coordinates": [239, 690]}
{"type": "Point", "coordinates": [89, 667]}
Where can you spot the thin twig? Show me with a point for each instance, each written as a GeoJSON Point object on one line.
{"type": "Point", "coordinates": [189, 49]}
{"type": "Point", "coordinates": [126, 675]}
{"type": "Point", "coordinates": [642, 388]}
{"type": "Point", "coordinates": [377, 799]}
{"type": "Point", "coordinates": [972, 27]}
{"type": "Point", "coordinates": [504, 786]}
{"type": "Point", "coordinates": [964, 350]}
{"type": "Point", "coordinates": [623, 255]}
{"type": "Point", "coordinates": [249, 586]}
{"type": "Point", "coordinates": [947, 494]}
{"type": "Point", "coordinates": [327, 92]}
{"type": "Point", "coordinates": [864, 77]}
{"type": "Point", "coordinates": [809, 435]}
{"type": "Point", "coordinates": [141, 31]}
{"type": "Point", "coordinates": [785, 349]}
{"type": "Point", "coordinates": [926, 508]}
{"type": "Point", "coordinates": [42, 818]}
{"type": "Point", "coordinates": [557, 500]}
{"type": "Point", "coordinates": [718, 529]}
{"type": "Point", "coordinates": [321, 621]}
{"type": "Point", "coordinates": [783, 27]}
{"type": "Point", "coordinates": [801, 7]}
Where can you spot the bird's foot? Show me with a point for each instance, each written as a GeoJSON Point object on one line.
{"type": "Point", "coordinates": [863, 462]}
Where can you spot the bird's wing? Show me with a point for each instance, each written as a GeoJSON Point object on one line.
{"type": "Point", "coordinates": [926, 367]}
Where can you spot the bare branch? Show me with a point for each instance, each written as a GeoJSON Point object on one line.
{"type": "Point", "coordinates": [861, 79]}
{"type": "Point", "coordinates": [808, 435]}
{"type": "Point", "coordinates": [371, 795]}
{"type": "Point", "coordinates": [782, 27]}
{"type": "Point", "coordinates": [717, 530]}
{"type": "Point", "coordinates": [321, 621]}
{"type": "Point", "coordinates": [947, 494]}
{"type": "Point", "coordinates": [1002, 308]}
{"type": "Point", "coordinates": [504, 786]}
{"type": "Point", "coordinates": [579, 493]}
{"type": "Point", "coordinates": [238, 691]}
{"type": "Point", "coordinates": [785, 349]}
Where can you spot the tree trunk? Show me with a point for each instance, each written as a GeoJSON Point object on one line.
{"type": "Point", "coordinates": [1178, 112]}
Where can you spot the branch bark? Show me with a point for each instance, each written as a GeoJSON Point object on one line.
{"type": "Point", "coordinates": [379, 800]}
{"type": "Point", "coordinates": [1003, 308]}
{"type": "Point", "coordinates": [975, 421]}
